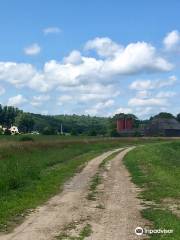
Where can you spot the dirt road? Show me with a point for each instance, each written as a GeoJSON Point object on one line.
{"type": "Point", "coordinates": [68, 212]}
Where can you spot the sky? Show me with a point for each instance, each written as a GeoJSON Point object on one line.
{"type": "Point", "coordinates": [93, 57]}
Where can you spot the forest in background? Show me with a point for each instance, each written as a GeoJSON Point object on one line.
{"type": "Point", "coordinates": [68, 124]}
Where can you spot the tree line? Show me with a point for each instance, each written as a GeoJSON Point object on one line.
{"type": "Point", "coordinates": [45, 124]}
{"type": "Point", "coordinates": [67, 124]}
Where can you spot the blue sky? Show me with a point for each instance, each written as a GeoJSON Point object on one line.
{"type": "Point", "coordinates": [90, 57]}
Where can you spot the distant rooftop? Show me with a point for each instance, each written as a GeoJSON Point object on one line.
{"type": "Point", "coordinates": [165, 123]}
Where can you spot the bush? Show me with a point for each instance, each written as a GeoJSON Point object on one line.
{"type": "Point", "coordinates": [7, 132]}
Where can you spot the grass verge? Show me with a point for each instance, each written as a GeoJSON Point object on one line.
{"type": "Point", "coordinates": [156, 169]}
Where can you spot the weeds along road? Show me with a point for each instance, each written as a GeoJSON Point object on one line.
{"type": "Point", "coordinates": [112, 214]}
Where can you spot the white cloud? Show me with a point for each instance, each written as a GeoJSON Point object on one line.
{"type": "Point", "coordinates": [123, 110]}
{"type": "Point", "coordinates": [16, 73]}
{"type": "Point", "coordinates": [39, 100]}
{"type": "Point", "coordinates": [64, 99]}
{"type": "Point", "coordinates": [105, 47]}
{"type": "Point", "coordinates": [143, 94]}
{"type": "Point", "coordinates": [144, 111]}
{"type": "Point", "coordinates": [148, 102]}
{"type": "Point", "coordinates": [93, 82]}
{"type": "Point", "coordinates": [73, 58]}
{"type": "Point", "coordinates": [172, 41]}
{"type": "Point", "coordinates": [88, 93]}
{"type": "Point", "coordinates": [142, 85]}
{"type": "Point", "coordinates": [16, 100]}
{"type": "Point", "coordinates": [96, 109]}
{"type": "Point", "coordinates": [77, 70]}
{"type": "Point", "coordinates": [33, 49]}
{"type": "Point", "coordinates": [166, 94]}
{"type": "Point", "coordinates": [136, 58]}
{"type": "Point", "coordinates": [2, 90]}
{"type": "Point", "coordinates": [52, 30]}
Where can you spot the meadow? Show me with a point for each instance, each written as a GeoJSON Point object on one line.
{"type": "Point", "coordinates": [155, 168]}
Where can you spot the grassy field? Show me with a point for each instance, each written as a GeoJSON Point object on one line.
{"type": "Point", "coordinates": [156, 169]}
{"type": "Point", "coordinates": [33, 171]}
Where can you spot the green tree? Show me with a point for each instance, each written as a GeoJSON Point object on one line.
{"type": "Point", "coordinates": [49, 131]}
{"type": "Point", "coordinates": [25, 122]}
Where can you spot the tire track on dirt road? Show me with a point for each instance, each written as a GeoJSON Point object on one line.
{"type": "Point", "coordinates": [121, 213]}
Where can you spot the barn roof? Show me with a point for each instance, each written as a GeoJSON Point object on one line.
{"type": "Point", "coordinates": [165, 123]}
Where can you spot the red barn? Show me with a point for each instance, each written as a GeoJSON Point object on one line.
{"type": "Point", "coordinates": [124, 124]}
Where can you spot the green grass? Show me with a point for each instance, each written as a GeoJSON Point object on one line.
{"type": "Point", "coordinates": [95, 181]}
{"type": "Point", "coordinates": [86, 231]}
{"type": "Point", "coordinates": [32, 172]}
{"type": "Point", "coordinates": [156, 169]}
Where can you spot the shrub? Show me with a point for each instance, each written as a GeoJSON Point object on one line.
{"type": "Point", "coordinates": [7, 132]}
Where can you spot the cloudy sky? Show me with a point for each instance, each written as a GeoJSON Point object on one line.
{"type": "Point", "coordinates": [90, 57]}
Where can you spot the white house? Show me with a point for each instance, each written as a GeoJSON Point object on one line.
{"type": "Point", "coordinates": [14, 130]}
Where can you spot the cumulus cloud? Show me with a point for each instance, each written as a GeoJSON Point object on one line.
{"type": "Point", "coordinates": [142, 85]}
{"type": "Point", "coordinates": [16, 73]}
{"type": "Point", "coordinates": [143, 94]}
{"type": "Point", "coordinates": [64, 99]}
{"type": "Point", "coordinates": [148, 102]}
{"type": "Point", "coordinates": [123, 110]}
{"type": "Point", "coordinates": [33, 49]}
{"type": "Point", "coordinates": [172, 41]}
{"type": "Point", "coordinates": [166, 94]}
{"type": "Point", "coordinates": [16, 100]}
{"type": "Point", "coordinates": [93, 79]}
{"type": "Point", "coordinates": [39, 100]}
{"type": "Point", "coordinates": [146, 96]}
{"type": "Point", "coordinates": [73, 58]}
{"type": "Point", "coordinates": [52, 30]}
{"type": "Point", "coordinates": [77, 69]}
{"type": "Point", "coordinates": [105, 47]}
{"type": "Point", "coordinates": [99, 107]}
{"type": "Point", "coordinates": [88, 93]}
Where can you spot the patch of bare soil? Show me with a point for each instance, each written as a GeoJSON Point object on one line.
{"type": "Point", "coordinates": [173, 205]}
